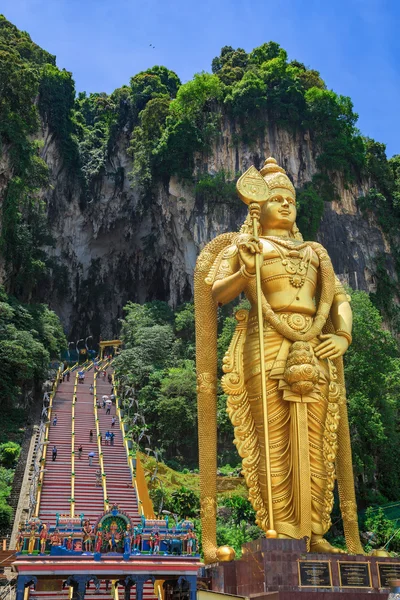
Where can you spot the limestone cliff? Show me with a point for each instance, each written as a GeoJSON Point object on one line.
{"type": "Point", "coordinates": [118, 249]}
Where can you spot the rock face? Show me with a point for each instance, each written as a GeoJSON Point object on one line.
{"type": "Point", "coordinates": [118, 248]}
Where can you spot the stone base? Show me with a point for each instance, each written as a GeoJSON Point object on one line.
{"type": "Point", "coordinates": [269, 569]}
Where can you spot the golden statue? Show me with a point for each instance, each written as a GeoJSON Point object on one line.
{"type": "Point", "coordinates": [284, 367]}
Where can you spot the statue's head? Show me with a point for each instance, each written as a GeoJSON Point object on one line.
{"type": "Point", "coordinates": [272, 189]}
{"type": "Point", "coordinates": [279, 211]}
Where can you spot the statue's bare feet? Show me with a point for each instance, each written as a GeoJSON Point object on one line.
{"type": "Point", "coordinates": [321, 546]}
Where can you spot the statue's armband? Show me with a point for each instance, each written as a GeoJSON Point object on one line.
{"type": "Point", "coordinates": [224, 265]}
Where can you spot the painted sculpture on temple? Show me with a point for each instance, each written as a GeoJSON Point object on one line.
{"type": "Point", "coordinates": [127, 540]}
{"type": "Point", "coordinates": [283, 368]}
{"type": "Point", "coordinates": [87, 536]}
{"type": "Point", "coordinates": [43, 538]}
{"type": "Point", "coordinates": [32, 540]}
{"type": "Point", "coordinates": [113, 537]}
{"type": "Point", "coordinates": [19, 542]}
{"type": "Point", "coordinates": [137, 539]}
{"type": "Point", "coordinates": [154, 542]}
{"type": "Point", "coordinates": [99, 540]}
{"type": "Point", "coordinates": [55, 538]}
{"type": "Point", "coordinates": [191, 541]}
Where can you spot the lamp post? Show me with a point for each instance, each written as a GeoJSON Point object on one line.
{"type": "Point", "coordinates": [69, 354]}
{"type": "Point", "coordinates": [89, 337]}
{"type": "Point", "coordinates": [77, 347]}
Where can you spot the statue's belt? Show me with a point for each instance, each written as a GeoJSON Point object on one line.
{"type": "Point", "coordinates": [276, 369]}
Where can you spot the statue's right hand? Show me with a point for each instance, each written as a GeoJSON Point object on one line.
{"type": "Point", "coordinates": [248, 247]}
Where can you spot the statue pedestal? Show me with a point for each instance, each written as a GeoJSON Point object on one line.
{"type": "Point", "coordinates": [283, 570]}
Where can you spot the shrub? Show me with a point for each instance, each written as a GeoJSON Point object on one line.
{"type": "Point", "coordinates": [9, 453]}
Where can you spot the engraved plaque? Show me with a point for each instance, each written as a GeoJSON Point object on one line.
{"type": "Point", "coordinates": [315, 573]}
{"type": "Point", "coordinates": [386, 572]}
{"type": "Point", "coordinates": [354, 574]}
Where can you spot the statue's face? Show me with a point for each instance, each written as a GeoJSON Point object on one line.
{"type": "Point", "coordinates": [280, 210]}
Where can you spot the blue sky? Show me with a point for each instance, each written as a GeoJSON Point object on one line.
{"type": "Point", "coordinates": [355, 44]}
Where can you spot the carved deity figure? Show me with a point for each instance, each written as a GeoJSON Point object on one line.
{"type": "Point", "coordinates": [87, 536]}
{"type": "Point", "coordinates": [43, 538]}
{"type": "Point", "coordinates": [137, 539]}
{"type": "Point", "coordinates": [283, 370]}
{"type": "Point", "coordinates": [99, 540]}
{"type": "Point", "coordinates": [127, 540]}
{"type": "Point", "coordinates": [191, 541]}
{"type": "Point", "coordinates": [19, 542]}
{"type": "Point", "coordinates": [55, 538]}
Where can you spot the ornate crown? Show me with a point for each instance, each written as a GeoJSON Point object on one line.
{"type": "Point", "coordinates": [275, 176]}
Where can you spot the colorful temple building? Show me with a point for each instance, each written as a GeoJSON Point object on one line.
{"type": "Point", "coordinates": [91, 529]}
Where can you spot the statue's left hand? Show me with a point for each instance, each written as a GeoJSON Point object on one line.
{"type": "Point", "coordinates": [332, 347]}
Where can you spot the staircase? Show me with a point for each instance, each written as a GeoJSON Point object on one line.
{"type": "Point", "coordinates": [56, 489]}
{"type": "Point", "coordinates": [119, 478]}
{"type": "Point", "coordinates": [89, 498]}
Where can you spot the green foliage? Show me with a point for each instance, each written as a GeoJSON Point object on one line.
{"type": "Point", "coordinates": [215, 189]}
{"type": "Point", "coordinates": [6, 479]}
{"type": "Point", "coordinates": [236, 523]}
{"type": "Point", "coordinates": [240, 509]}
{"type": "Point", "coordinates": [158, 361]}
{"type": "Point", "coordinates": [383, 200]}
{"type": "Point", "coordinates": [372, 369]}
{"type": "Point", "coordinates": [331, 120]}
{"type": "Point", "coordinates": [24, 230]}
{"type": "Point", "coordinates": [56, 104]}
{"type": "Point", "coordinates": [185, 503]}
{"type": "Point", "coordinates": [29, 335]}
{"type": "Point", "coordinates": [385, 531]}
{"type": "Point", "coordinates": [192, 123]}
{"type": "Point", "coordinates": [310, 208]}
{"type": "Point", "coordinates": [9, 454]}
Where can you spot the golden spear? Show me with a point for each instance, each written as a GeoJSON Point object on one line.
{"type": "Point", "coordinates": [253, 190]}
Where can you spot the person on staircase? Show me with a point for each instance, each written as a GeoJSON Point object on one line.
{"type": "Point", "coordinates": [112, 435]}
{"type": "Point", "coordinates": [91, 436]}
{"type": "Point", "coordinates": [54, 453]}
{"type": "Point", "coordinates": [98, 478]}
{"type": "Point", "coordinates": [91, 388]}
{"type": "Point", "coordinates": [55, 420]}
{"type": "Point", "coordinates": [68, 375]}
{"type": "Point", "coordinates": [113, 422]}
{"type": "Point", "coordinates": [80, 450]}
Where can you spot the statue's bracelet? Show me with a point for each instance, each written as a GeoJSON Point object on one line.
{"type": "Point", "coordinates": [344, 334]}
{"type": "Point", "coordinates": [244, 273]}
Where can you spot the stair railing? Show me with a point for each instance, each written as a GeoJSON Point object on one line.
{"type": "Point", "coordinates": [45, 443]}
{"type": "Point", "coordinates": [72, 512]}
{"type": "Point", "coordinates": [101, 462]}
{"type": "Point", "coordinates": [124, 436]}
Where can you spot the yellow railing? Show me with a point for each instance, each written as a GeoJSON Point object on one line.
{"type": "Point", "coordinates": [73, 447]}
{"type": "Point", "coordinates": [101, 462]}
{"type": "Point", "coordinates": [138, 479]}
{"type": "Point", "coordinates": [125, 438]}
{"type": "Point", "coordinates": [45, 443]}
{"type": "Point", "coordinates": [142, 492]}
{"type": "Point", "coordinates": [158, 588]}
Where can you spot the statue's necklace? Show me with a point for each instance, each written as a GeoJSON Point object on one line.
{"type": "Point", "coordinates": [325, 301]}
{"type": "Point", "coordinates": [296, 263]}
